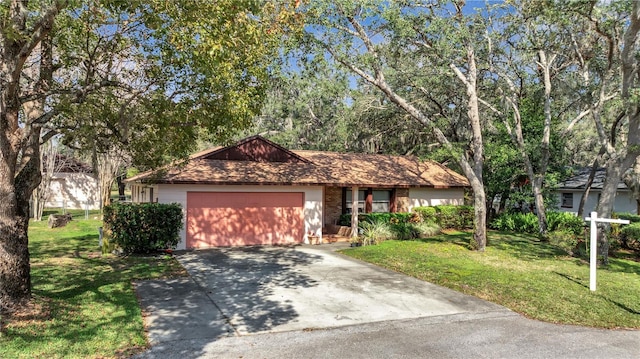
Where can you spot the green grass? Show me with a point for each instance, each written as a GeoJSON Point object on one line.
{"type": "Point", "coordinates": [520, 273]}
{"type": "Point", "coordinates": [84, 303]}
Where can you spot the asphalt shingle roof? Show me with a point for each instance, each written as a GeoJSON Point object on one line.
{"type": "Point", "coordinates": [320, 168]}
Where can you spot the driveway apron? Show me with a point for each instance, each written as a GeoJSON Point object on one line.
{"type": "Point", "coordinates": [249, 290]}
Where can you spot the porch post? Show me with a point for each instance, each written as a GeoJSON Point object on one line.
{"type": "Point", "coordinates": [354, 211]}
{"type": "Point", "coordinates": [393, 207]}
{"type": "Point", "coordinates": [368, 204]}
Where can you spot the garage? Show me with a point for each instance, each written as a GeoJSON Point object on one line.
{"type": "Point", "coordinates": [216, 219]}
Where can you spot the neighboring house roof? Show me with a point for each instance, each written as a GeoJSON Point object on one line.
{"type": "Point", "coordinates": [258, 161]}
{"type": "Point", "coordinates": [579, 180]}
{"type": "Point", "coordinates": [67, 164]}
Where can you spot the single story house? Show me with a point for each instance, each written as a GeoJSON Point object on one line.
{"type": "Point", "coordinates": [257, 192]}
{"type": "Point", "coordinates": [73, 186]}
{"type": "Point", "coordinates": [570, 193]}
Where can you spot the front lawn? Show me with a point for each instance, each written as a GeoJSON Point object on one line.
{"type": "Point", "coordinates": [520, 273]}
{"type": "Point", "coordinates": [85, 305]}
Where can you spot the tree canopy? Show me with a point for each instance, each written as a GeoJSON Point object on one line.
{"type": "Point", "coordinates": [148, 76]}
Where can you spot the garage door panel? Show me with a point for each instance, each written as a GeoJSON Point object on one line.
{"type": "Point", "coordinates": [233, 219]}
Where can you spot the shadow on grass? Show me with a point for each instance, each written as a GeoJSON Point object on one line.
{"type": "Point", "coordinates": [524, 247]}
{"type": "Point", "coordinates": [572, 279]}
{"type": "Point", "coordinates": [65, 247]}
{"type": "Point", "coordinates": [623, 266]}
{"type": "Point", "coordinates": [90, 299]}
{"type": "Point", "coordinates": [461, 239]}
{"type": "Point", "coordinates": [521, 247]}
{"type": "Point", "coordinates": [586, 286]}
{"type": "Point", "coordinates": [620, 305]}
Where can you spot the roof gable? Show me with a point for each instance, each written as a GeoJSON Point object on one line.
{"type": "Point", "coordinates": [254, 149]}
{"type": "Point", "coordinates": [257, 161]}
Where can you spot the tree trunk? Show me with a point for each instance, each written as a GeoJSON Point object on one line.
{"type": "Point", "coordinates": [587, 187]}
{"type": "Point", "coordinates": [15, 192]}
{"type": "Point", "coordinates": [480, 216]}
{"type": "Point", "coordinates": [615, 170]}
{"type": "Point", "coordinates": [15, 281]}
{"type": "Point", "coordinates": [121, 186]}
{"type": "Point", "coordinates": [541, 209]}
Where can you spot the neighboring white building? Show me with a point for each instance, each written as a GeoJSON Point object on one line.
{"type": "Point", "coordinates": [73, 186]}
{"type": "Point", "coordinates": [570, 193]}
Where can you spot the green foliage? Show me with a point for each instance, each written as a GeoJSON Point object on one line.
{"type": "Point", "coordinates": [426, 229]}
{"type": "Point", "coordinates": [143, 227]}
{"type": "Point", "coordinates": [428, 213]}
{"type": "Point", "coordinates": [633, 218]}
{"type": "Point", "coordinates": [565, 221]}
{"type": "Point", "coordinates": [448, 216]}
{"type": "Point", "coordinates": [528, 223]}
{"type": "Point", "coordinates": [404, 231]}
{"type": "Point", "coordinates": [375, 232]}
{"type": "Point", "coordinates": [378, 227]}
{"type": "Point", "coordinates": [568, 242]}
{"type": "Point", "coordinates": [376, 217]}
{"type": "Point", "coordinates": [516, 222]}
{"type": "Point", "coordinates": [445, 216]}
{"type": "Point", "coordinates": [630, 236]}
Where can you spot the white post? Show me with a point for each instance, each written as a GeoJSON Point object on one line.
{"type": "Point", "coordinates": [593, 248]}
{"type": "Point", "coordinates": [593, 251]}
{"type": "Point", "coordinates": [354, 211]}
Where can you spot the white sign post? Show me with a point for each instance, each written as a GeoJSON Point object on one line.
{"type": "Point", "coordinates": [593, 249]}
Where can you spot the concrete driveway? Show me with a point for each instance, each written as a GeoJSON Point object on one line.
{"type": "Point", "coordinates": [241, 291]}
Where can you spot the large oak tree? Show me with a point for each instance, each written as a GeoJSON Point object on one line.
{"type": "Point", "coordinates": [148, 74]}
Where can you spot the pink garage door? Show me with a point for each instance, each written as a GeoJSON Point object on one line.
{"type": "Point", "coordinates": [244, 218]}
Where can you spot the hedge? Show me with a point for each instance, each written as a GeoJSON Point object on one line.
{"type": "Point", "coordinates": [143, 227]}
{"type": "Point", "coordinates": [528, 223]}
{"type": "Point", "coordinates": [378, 217]}
{"type": "Point", "coordinates": [448, 216]}
{"type": "Point", "coordinates": [445, 216]}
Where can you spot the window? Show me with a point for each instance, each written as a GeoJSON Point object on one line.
{"type": "Point", "coordinates": [567, 200]}
{"type": "Point", "coordinates": [362, 194]}
{"type": "Point", "coordinates": [381, 201]}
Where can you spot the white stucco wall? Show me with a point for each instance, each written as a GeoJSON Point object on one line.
{"type": "Point", "coordinates": [73, 191]}
{"type": "Point", "coordinates": [169, 193]}
{"type": "Point", "coordinates": [624, 202]}
{"type": "Point", "coordinates": [419, 197]}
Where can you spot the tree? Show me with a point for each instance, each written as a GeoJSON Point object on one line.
{"type": "Point", "coordinates": [533, 61]}
{"type": "Point", "coordinates": [610, 70]}
{"type": "Point", "coordinates": [424, 58]}
{"type": "Point", "coordinates": [306, 108]}
{"type": "Point", "coordinates": [174, 69]}
{"type": "Point", "coordinates": [50, 163]}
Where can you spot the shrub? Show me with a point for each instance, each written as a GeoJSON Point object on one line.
{"type": "Point", "coordinates": [404, 231]}
{"type": "Point", "coordinates": [568, 242]}
{"type": "Point", "coordinates": [143, 227]}
{"type": "Point", "coordinates": [633, 218]}
{"type": "Point", "coordinates": [376, 232]}
{"type": "Point", "coordinates": [630, 236]}
{"type": "Point", "coordinates": [448, 216]}
{"type": "Point", "coordinates": [565, 221]}
{"type": "Point", "coordinates": [428, 213]}
{"type": "Point", "coordinates": [426, 229]}
{"type": "Point", "coordinates": [516, 222]}
{"type": "Point", "coordinates": [376, 217]}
